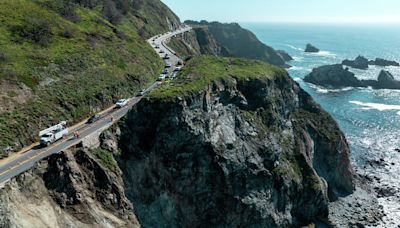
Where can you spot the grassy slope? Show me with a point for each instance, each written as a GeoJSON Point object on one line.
{"type": "Point", "coordinates": [74, 75]}
{"type": "Point", "coordinates": [201, 70]}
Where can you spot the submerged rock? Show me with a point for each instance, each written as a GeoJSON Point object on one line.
{"type": "Point", "coordinates": [383, 62]}
{"type": "Point", "coordinates": [360, 63]}
{"type": "Point", "coordinates": [311, 48]}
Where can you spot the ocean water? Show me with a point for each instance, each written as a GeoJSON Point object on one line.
{"type": "Point", "coordinates": [369, 118]}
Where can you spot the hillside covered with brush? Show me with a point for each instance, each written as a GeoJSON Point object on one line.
{"type": "Point", "coordinates": [67, 59]}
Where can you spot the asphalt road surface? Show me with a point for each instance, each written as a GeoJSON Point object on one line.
{"type": "Point", "coordinates": [25, 160]}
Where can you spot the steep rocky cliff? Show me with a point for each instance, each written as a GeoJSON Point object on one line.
{"type": "Point", "coordinates": [232, 143]}
{"type": "Point", "coordinates": [228, 40]}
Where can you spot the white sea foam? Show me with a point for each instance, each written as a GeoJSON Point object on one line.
{"type": "Point", "coordinates": [296, 68]}
{"type": "Point", "coordinates": [376, 106]}
{"type": "Point", "coordinates": [298, 79]}
{"type": "Point", "coordinates": [323, 54]}
{"type": "Point", "coordinates": [298, 58]}
{"type": "Point", "coordinates": [320, 89]}
{"type": "Point", "coordinates": [295, 48]}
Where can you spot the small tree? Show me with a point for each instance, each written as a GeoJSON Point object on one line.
{"type": "Point", "coordinates": [68, 11]}
{"type": "Point", "coordinates": [123, 6]}
{"type": "Point", "coordinates": [111, 13]}
{"type": "Point", "coordinates": [3, 57]}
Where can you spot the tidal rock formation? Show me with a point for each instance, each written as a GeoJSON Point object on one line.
{"type": "Point", "coordinates": [312, 49]}
{"type": "Point", "coordinates": [232, 149]}
{"type": "Point", "coordinates": [335, 76]}
{"type": "Point", "coordinates": [360, 63]}
{"type": "Point", "coordinates": [383, 62]}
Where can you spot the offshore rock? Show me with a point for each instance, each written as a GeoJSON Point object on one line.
{"type": "Point", "coordinates": [312, 49]}
{"type": "Point", "coordinates": [335, 76]}
{"type": "Point", "coordinates": [360, 63]}
{"type": "Point", "coordinates": [383, 62]}
{"type": "Point", "coordinates": [387, 81]}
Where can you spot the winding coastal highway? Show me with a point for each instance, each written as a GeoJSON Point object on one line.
{"type": "Point", "coordinates": [22, 161]}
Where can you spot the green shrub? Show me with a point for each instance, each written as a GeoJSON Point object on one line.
{"type": "Point", "coordinates": [105, 158]}
{"type": "Point", "coordinates": [37, 30]}
{"type": "Point", "coordinates": [68, 32]}
{"type": "Point", "coordinates": [3, 57]}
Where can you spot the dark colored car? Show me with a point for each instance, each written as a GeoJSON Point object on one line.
{"type": "Point", "coordinates": [93, 119]}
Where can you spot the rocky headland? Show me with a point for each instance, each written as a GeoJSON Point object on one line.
{"type": "Point", "coordinates": [226, 40]}
{"type": "Point", "coordinates": [338, 76]}
{"type": "Point", "coordinates": [311, 49]}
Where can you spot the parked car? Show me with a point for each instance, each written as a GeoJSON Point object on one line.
{"type": "Point", "coordinates": [94, 118]}
{"type": "Point", "coordinates": [165, 71]}
{"type": "Point", "coordinates": [168, 65]}
{"type": "Point", "coordinates": [141, 93]}
{"type": "Point", "coordinates": [161, 51]}
{"type": "Point", "coordinates": [161, 77]}
{"type": "Point", "coordinates": [121, 103]}
{"type": "Point", "coordinates": [166, 56]}
{"type": "Point", "coordinates": [177, 69]}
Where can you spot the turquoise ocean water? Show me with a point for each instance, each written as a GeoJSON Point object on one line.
{"type": "Point", "coordinates": [369, 118]}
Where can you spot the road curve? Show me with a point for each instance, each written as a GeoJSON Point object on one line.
{"type": "Point", "coordinates": [25, 160]}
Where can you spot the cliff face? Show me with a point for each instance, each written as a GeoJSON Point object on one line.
{"type": "Point", "coordinates": [71, 189]}
{"type": "Point", "coordinates": [226, 40]}
{"type": "Point", "coordinates": [241, 151]}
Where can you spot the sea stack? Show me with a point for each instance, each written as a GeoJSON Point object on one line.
{"type": "Point", "coordinates": [387, 81]}
{"type": "Point", "coordinates": [311, 49]}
